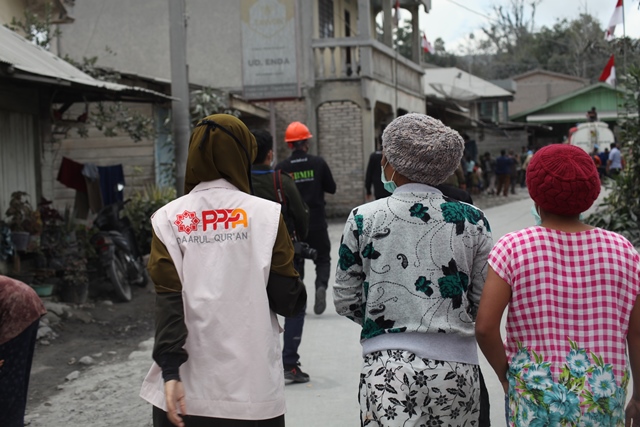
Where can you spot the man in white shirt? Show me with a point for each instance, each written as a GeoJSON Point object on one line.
{"type": "Point", "coordinates": [615, 163]}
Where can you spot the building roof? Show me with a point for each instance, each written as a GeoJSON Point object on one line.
{"type": "Point", "coordinates": [20, 59]}
{"type": "Point", "coordinates": [553, 110]}
{"type": "Point", "coordinates": [551, 74]}
{"type": "Point", "coordinates": [458, 85]}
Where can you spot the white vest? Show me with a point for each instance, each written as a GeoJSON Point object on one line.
{"type": "Point", "coordinates": [221, 241]}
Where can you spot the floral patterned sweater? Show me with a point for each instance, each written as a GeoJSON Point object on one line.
{"type": "Point", "coordinates": [411, 270]}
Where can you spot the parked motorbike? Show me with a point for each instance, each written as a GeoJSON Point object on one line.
{"type": "Point", "coordinates": [118, 253]}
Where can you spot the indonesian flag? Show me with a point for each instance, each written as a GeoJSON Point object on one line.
{"type": "Point", "coordinates": [616, 19]}
{"type": "Point", "coordinates": [426, 46]}
{"type": "Point", "coordinates": [609, 73]}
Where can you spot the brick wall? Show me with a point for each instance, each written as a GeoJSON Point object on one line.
{"type": "Point", "coordinates": [340, 143]}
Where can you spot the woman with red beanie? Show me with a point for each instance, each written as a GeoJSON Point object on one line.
{"type": "Point", "coordinates": [571, 291]}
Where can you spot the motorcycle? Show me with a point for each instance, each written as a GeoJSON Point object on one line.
{"type": "Point", "coordinates": [119, 257]}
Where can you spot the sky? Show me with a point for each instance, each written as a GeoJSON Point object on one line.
{"type": "Point", "coordinates": [455, 32]}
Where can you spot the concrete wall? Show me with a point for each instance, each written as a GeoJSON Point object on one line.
{"type": "Point", "coordinates": [537, 89]}
{"type": "Point", "coordinates": [137, 32]}
{"type": "Point", "coordinates": [11, 9]}
{"type": "Point", "coordinates": [137, 159]}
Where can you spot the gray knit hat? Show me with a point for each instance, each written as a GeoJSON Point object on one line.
{"type": "Point", "coordinates": [422, 148]}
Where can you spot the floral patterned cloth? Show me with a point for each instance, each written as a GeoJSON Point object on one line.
{"type": "Point", "coordinates": [572, 295]}
{"type": "Point", "coordinates": [411, 270]}
{"type": "Point", "coordinates": [585, 394]}
{"type": "Point", "coordinates": [413, 262]}
{"type": "Point", "coordinates": [397, 388]}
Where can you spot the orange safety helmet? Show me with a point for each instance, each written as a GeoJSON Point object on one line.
{"type": "Point", "coordinates": [296, 131]}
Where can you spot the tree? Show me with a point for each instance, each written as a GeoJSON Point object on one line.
{"type": "Point", "coordinates": [620, 210]}
{"type": "Point", "coordinates": [509, 38]}
{"type": "Point", "coordinates": [36, 29]}
{"type": "Point", "coordinates": [512, 26]}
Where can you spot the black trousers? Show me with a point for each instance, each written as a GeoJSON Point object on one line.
{"type": "Point", "coordinates": [160, 420]}
{"type": "Point", "coordinates": [485, 415]}
{"type": "Point", "coordinates": [318, 239]}
{"type": "Point", "coordinates": [17, 354]}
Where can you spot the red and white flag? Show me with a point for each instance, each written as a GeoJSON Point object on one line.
{"type": "Point", "coordinates": [616, 18]}
{"type": "Point", "coordinates": [396, 15]}
{"type": "Point", "coordinates": [609, 73]}
{"type": "Point", "coordinates": [426, 46]}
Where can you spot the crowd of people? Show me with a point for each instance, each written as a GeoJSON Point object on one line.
{"type": "Point", "coordinates": [500, 176]}
{"type": "Point", "coordinates": [417, 269]}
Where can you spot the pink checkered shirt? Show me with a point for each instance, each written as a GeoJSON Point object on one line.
{"type": "Point", "coordinates": [580, 286]}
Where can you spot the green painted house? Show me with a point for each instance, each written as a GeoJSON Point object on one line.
{"type": "Point", "coordinates": [564, 112]}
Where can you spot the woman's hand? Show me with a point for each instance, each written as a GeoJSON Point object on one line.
{"type": "Point", "coordinates": [174, 395]}
{"type": "Point", "coordinates": [505, 386]}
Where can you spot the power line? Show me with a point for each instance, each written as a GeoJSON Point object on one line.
{"type": "Point", "coordinates": [473, 11]}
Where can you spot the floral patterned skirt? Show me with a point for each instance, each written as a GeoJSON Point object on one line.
{"type": "Point", "coordinates": [397, 388]}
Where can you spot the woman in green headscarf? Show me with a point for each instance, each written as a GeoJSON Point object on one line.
{"type": "Point", "coordinates": [222, 263]}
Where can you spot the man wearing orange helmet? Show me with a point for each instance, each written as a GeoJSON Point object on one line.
{"type": "Point", "coordinates": [313, 178]}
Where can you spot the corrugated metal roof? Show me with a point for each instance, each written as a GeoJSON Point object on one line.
{"type": "Point", "coordinates": [25, 60]}
{"type": "Point", "coordinates": [458, 85]}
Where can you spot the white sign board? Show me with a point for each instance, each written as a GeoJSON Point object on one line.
{"type": "Point", "coordinates": [269, 65]}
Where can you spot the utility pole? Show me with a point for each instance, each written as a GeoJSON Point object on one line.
{"type": "Point", "coordinates": [180, 121]}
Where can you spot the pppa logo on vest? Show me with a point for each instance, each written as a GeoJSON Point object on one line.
{"type": "Point", "coordinates": [188, 222]}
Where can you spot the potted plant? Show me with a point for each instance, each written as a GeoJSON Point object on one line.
{"type": "Point", "coordinates": [75, 281]}
{"type": "Point", "coordinates": [22, 219]}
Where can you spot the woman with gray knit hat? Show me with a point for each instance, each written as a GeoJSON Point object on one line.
{"type": "Point", "coordinates": [411, 270]}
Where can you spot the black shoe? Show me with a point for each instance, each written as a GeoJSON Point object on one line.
{"type": "Point", "coordinates": [321, 301]}
{"type": "Point", "coordinates": [294, 374]}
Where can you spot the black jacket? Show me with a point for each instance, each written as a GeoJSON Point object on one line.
{"type": "Point", "coordinates": [373, 176]}
{"type": "Point", "coordinates": [295, 211]}
{"type": "Point", "coordinates": [313, 178]}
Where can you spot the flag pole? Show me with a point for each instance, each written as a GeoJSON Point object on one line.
{"type": "Point", "coordinates": [624, 42]}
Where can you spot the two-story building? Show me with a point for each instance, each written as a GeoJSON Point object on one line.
{"type": "Point", "coordinates": [316, 61]}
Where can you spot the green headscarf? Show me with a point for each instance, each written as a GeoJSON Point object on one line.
{"type": "Point", "coordinates": [214, 154]}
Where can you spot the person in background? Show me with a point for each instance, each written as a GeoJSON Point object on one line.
{"type": "Point", "coordinates": [488, 172]}
{"type": "Point", "coordinates": [525, 164]}
{"type": "Point", "coordinates": [615, 162]}
{"type": "Point", "coordinates": [592, 115]}
{"type": "Point", "coordinates": [313, 178]}
{"type": "Point", "coordinates": [503, 173]}
{"type": "Point", "coordinates": [410, 271]}
{"type": "Point", "coordinates": [595, 155]}
{"type": "Point", "coordinates": [470, 164]}
{"type": "Point", "coordinates": [604, 157]}
{"type": "Point", "coordinates": [20, 313]}
{"type": "Point", "coordinates": [516, 168]}
{"type": "Point", "coordinates": [572, 296]}
{"type": "Point", "coordinates": [222, 264]}
{"type": "Point", "coordinates": [470, 147]}
{"type": "Point", "coordinates": [372, 178]}
{"type": "Point", "coordinates": [280, 188]}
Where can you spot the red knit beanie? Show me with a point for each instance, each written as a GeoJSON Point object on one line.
{"type": "Point", "coordinates": [563, 179]}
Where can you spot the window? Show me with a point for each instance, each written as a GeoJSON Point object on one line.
{"type": "Point", "coordinates": [488, 111]}
{"type": "Point", "coordinates": [325, 15]}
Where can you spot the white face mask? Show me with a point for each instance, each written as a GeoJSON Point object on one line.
{"type": "Point", "coordinates": [390, 186]}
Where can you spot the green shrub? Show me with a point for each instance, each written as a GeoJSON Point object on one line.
{"type": "Point", "coordinates": [620, 210]}
{"type": "Point", "coordinates": [139, 210]}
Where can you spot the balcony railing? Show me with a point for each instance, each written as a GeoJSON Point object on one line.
{"type": "Point", "coordinates": [353, 58]}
